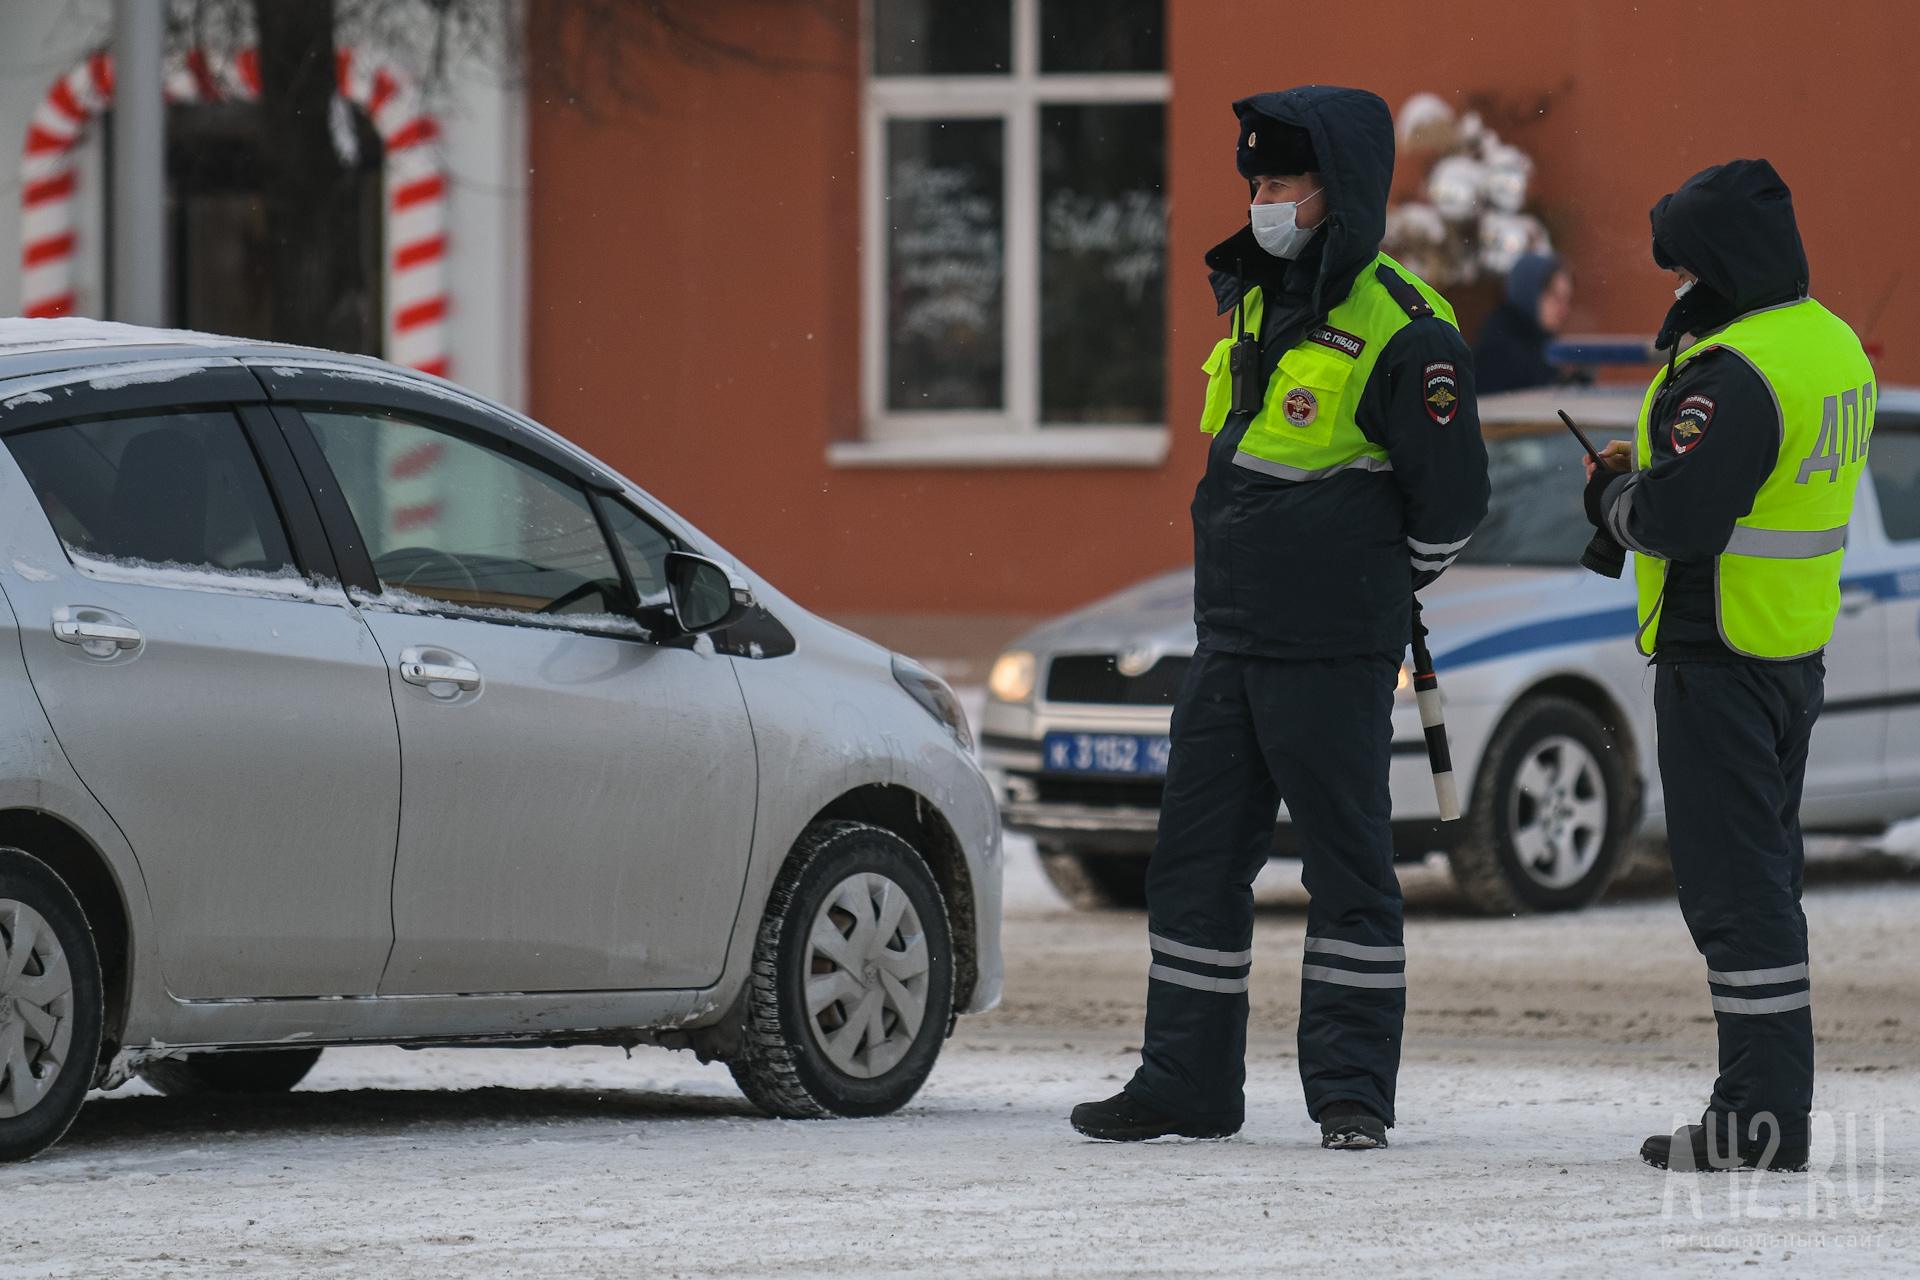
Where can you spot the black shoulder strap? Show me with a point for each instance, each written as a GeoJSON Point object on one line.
{"type": "Point", "coordinates": [1406, 295]}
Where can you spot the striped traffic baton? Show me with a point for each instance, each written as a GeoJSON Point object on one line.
{"type": "Point", "coordinates": [1426, 691]}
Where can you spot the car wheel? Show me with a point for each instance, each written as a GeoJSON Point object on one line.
{"type": "Point", "coordinates": [51, 1006]}
{"type": "Point", "coordinates": [241, 1071]}
{"type": "Point", "coordinates": [1091, 880]}
{"type": "Point", "coordinates": [852, 984]}
{"type": "Point", "coordinates": [1553, 807]}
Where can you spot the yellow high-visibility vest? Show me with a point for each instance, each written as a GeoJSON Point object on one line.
{"type": "Point", "coordinates": [1777, 584]}
{"type": "Point", "coordinates": [1305, 428]}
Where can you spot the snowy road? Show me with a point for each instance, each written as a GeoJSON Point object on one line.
{"type": "Point", "coordinates": [1539, 1053]}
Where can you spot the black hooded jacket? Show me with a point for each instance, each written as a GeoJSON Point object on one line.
{"type": "Point", "coordinates": [1326, 568]}
{"type": "Point", "coordinates": [1714, 427]}
{"type": "Point", "coordinates": [1510, 353]}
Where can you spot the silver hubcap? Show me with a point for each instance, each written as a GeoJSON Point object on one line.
{"type": "Point", "coordinates": [866, 975]}
{"type": "Point", "coordinates": [1557, 812]}
{"type": "Point", "coordinates": [36, 1007]}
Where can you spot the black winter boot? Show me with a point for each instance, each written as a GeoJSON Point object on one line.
{"type": "Point", "coordinates": [1124, 1118]}
{"type": "Point", "coordinates": [1348, 1126]}
{"type": "Point", "coordinates": [1686, 1151]}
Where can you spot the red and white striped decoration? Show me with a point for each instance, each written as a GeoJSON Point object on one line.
{"type": "Point", "coordinates": [416, 186]}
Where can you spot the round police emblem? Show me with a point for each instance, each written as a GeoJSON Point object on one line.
{"type": "Point", "coordinates": [1301, 406]}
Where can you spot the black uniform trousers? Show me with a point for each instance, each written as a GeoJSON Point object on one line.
{"type": "Point", "coordinates": [1247, 733]}
{"type": "Point", "coordinates": [1733, 756]}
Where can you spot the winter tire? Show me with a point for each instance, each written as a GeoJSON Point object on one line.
{"type": "Point", "coordinates": [852, 984]}
{"type": "Point", "coordinates": [1091, 879]}
{"type": "Point", "coordinates": [1553, 808]}
{"type": "Point", "coordinates": [51, 1007]}
{"type": "Point", "coordinates": [241, 1071]}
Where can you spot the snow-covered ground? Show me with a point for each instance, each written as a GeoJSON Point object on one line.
{"type": "Point", "coordinates": [1540, 1052]}
{"type": "Point", "coordinates": [579, 1162]}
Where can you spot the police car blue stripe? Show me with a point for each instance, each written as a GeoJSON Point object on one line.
{"type": "Point", "coordinates": [1609, 624]}
{"type": "Point", "coordinates": [1613, 624]}
{"type": "Point", "coordinates": [1893, 585]}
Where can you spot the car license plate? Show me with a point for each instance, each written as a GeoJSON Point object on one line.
{"type": "Point", "coordinates": [1122, 753]}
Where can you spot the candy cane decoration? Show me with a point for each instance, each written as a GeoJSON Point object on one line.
{"type": "Point", "coordinates": [416, 292]}
{"type": "Point", "coordinates": [46, 185]}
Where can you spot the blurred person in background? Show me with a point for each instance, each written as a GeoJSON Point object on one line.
{"type": "Point", "coordinates": [1511, 354]}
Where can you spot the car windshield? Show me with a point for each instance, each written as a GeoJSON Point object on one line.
{"type": "Point", "coordinates": [1535, 515]}
{"type": "Point", "coordinates": [1894, 460]}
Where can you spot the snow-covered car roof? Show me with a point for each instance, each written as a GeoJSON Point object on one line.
{"type": "Point", "coordinates": [20, 336]}
{"type": "Point", "coordinates": [1616, 407]}
{"type": "Point", "coordinates": [43, 346]}
{"type": "Point", "coordinates": [1609, 407]}
{"type": "Point", "coordinates": [31, 347]}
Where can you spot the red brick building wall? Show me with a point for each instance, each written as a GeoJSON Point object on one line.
{"type": "Point", "coordinates": [695, 257]}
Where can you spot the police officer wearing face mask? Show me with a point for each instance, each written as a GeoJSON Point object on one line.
{"type": "Point", "coordinates": [1734, 496]}
{"type": "Point", "coordinates": [1346, 470]}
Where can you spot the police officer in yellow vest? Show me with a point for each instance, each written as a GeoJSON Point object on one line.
{"type": "Point", "coordinates": [1734, 499]}
{"type": "Point", "coordinates": [1346, 470]}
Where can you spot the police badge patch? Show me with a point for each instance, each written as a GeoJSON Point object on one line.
{"type": "Point", "coordinates": [1301, 406]}
{"type": "Point", "coordinates": [1690, 423]}
{"type": "Point", "coordinates": [1440, 388]}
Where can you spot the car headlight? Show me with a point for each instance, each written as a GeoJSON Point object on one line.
{"type": "Point", "coordinates": [933, 693]}
{"type": "Point", "coordinates": [1012, 677]}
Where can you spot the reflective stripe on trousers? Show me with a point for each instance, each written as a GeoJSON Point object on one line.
{"type": "Point", "coordinates": [1790, 976]}
{"type": "Point", "coordinates": [1224, 972]}
{"type": "Point", "coordinates": [1331, 960]}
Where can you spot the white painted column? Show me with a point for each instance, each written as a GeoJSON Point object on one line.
{"type": "Point", "coordinates": [139, 164]}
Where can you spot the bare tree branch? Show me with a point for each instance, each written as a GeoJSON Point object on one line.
{"type": "Point", "coordinates": [585, 53]}
{"type": "Point", "coordinates": [575, 52]}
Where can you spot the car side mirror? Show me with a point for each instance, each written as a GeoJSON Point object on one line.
{"type": "Point", "coordinates": [705, 596]}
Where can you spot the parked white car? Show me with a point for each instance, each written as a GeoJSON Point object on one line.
{"type": "Point", "coordinates": [343, 706]}
{"type": "Point", "coordinates": [1549, 707]}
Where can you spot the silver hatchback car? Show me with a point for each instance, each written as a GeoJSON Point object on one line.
{"type": "Point", "coordinates": [343, 706]}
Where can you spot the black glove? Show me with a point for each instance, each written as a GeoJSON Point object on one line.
{"type": "Point", "coordinates": [1604, 556]}
{"type": "Point", "coordinates": [1592, 497]}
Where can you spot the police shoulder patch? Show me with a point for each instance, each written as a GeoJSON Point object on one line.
{"type": "Point", "coordinates": [1690, 422]}
{"type": "Point", "coordinates": [1440, 388]}
{"type": "Point", "coordinates": [1345, 343]}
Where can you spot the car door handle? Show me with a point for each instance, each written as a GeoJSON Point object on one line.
{"type": "Point", "coordinates": [428, 666]}
{"type": "Point", "coordinates": [75, 632]}
{"type": "Point", "coordinates": [97, 631]}
{"type": "Point", "coordinates": [1854, 599]}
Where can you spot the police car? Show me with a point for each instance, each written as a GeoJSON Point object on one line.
{"type": "Point", "coordinates": [1549, 707]}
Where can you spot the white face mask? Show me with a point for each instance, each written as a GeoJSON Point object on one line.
{"type": "Point", "coordinates": [1275, 229]}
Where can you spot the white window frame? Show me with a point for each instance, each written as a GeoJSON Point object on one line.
{"type": "Point", "coordinates": [1013, 435]}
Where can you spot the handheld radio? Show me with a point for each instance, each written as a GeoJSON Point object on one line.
{"type": "Point", "coordinates": [1243, 360]}
{"type": "Point", "coordinates": [1602, 555]}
